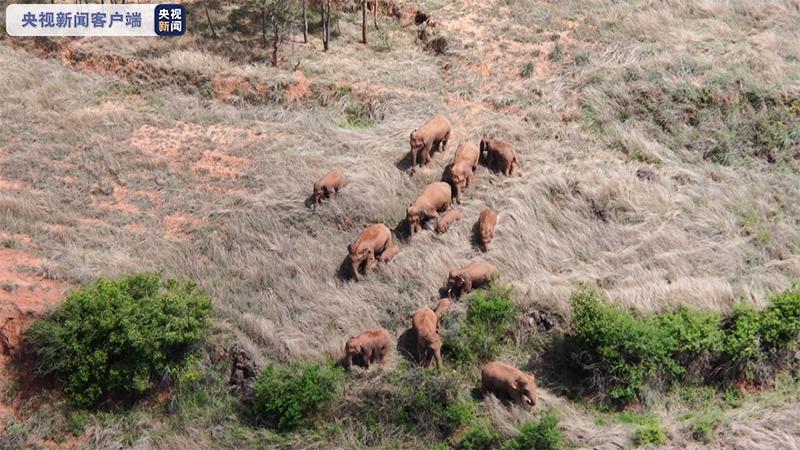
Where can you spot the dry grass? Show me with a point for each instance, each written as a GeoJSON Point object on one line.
{"type": "Point", "coordinates": [109, 173]}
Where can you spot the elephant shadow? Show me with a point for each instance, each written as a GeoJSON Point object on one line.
{"type": "Point", "coordinates": [407, 345]}
{"type": "Point", "coordinates": [405, 164]}
{"type": "Point", "coordinates": [447, 174]}
{"type": "Point", "coordinates": [310, 203]}
{"type": "Point", "coordinates": [402, 231]}
{"type": "Point", "coordinates": [475, 237]}
{"type": "Point", "coordinates": [345, 270]}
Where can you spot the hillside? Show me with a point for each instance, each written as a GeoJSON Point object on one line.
{"type": "Point", "coordinates": [659, 153]}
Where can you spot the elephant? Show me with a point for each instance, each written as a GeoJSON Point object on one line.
{"type": "Point", "coordinates": [429, 344]}
{"type": "Point", "coordinates": [463, 169]}
{"type": "Point", "coordinates": [427, 138]}
{"type": "Point", "coordinates": [441, 309]}
{"type": "Point", "coordinates": [371, 244]}
{"type": "Point", "coordinates": [463, 280]}
{"type": "Point", "coordinates": [434, 199]}
{"type": "Point", "coordinates": [449, 217]}
{"type": "Point", "coordinates": [486, 223]}
{"type": "Point", "coordinates": [371, 345]}
{"type": "Point", "coordinates": [328, 186]}
{"type": "Point", "coordinates": [389, 253]}
{"type": "Point", "coordinates": [498, 155]}
{"type": "Point", "coordinates": [507, 381]}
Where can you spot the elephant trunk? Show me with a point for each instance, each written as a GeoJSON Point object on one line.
{"type": "Point", "coordinates": [355, 267]}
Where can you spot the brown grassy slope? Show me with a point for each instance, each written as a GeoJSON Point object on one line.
{"type": "Point", "coordinates": [110, 173]}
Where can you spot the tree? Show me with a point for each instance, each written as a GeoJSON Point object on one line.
{"type": "Point", "coordinates": [326, 24]}
{"type": "Point", "coordinates": [208, 18]}
{"type": "Point", "coordinates": [305, 21]}
{"type": "Point", "coordinates": [276, 15]}
{"type": "Point", "coordinates": [364, 21]}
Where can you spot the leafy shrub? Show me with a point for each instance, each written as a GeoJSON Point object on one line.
{"type": "Point", "coordinates": [623, 352]}
{"type": "Point", "coordinates": [619, 348]}
{"type": "Point", "coordinates": [478, 336]}
{"type": "Point", "coordinates": [779, 323]}
{"type": "Point", "coordinates": [112, 337]}
{"type": "Point", "coordinates": [541, 435]}
{"type": "Point", "coordinates": [427, 401]}
{"type": "Point", "coordinates": [287, 396]}
{"type": "Point", "coordinates": [479, 436]}
{"type": "Point", "coordinates": [653, 434]}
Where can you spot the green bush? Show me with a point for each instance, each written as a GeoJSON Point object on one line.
{"type": "Point", "coordinates": [479, 436]}
{"type": "Point", "coordinates": [618, 347]}
{"type": "Point", "coordinates": [479, 335]}
{"type": "Point", "coordinates": [286, 397]}
{"type": "Point", "coordinates": [652, 434]}
{"type": "Point", "coordinates": [112, 337]}
{"type": "Point", "coordinates": [427, 401]}
{"type": "Point", "coordinates": [779, 324]}
{"type": "Point", "coordinates": [623, 352]}
{"type": "Point", "coordinates": [541, 435]}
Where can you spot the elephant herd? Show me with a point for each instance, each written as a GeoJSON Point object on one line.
{"type": "Point", "coordinates": [375, 244]}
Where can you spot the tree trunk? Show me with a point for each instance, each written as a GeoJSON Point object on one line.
{"type": "Point", "coordinates": [364, 21]}
{"type": "Point", "coordinates": [305, 21]}
{"type": "Point", "coordinates": [326, 24]}
{"type": "Point", "coordinates": [208, 18]}
{"type": "Point", "coordinates": [275, 43]}
{"type": "Point", "coordinates": [375, 13]}
{"type": "Point", "coordinates": [264, 27]}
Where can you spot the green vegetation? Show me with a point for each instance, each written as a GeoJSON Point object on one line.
{"type": "Point", "coordinates": [625, 352]}
{"type": "Point", "coordinates": [286, 397]}
{"type": "Point", "coordinates": [426, 401]}
{"type": "Point", "coordinates": [740, 119]}
{"type": "Point", "coordinates": [541, 435]}
{"type": "Point", "coordinates": [527, 69]}
{"type": "Point", "coordinates": [651, 434]}
{"type": "Point", "coordinates": [479, 436]}
{"type": "Point", "coordinates": [479, 335]}
{"type": "Point", "coordinates": [108, 340]}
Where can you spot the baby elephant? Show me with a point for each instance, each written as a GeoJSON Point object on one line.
{"type": "Point", "coordinates": [463, 280]}
{"type": "Point", "coordinates": [371, 345]}
{"type": "Point", "coordinates": [441, 309]}
{"type": "Point", "coordinates": [429, 344]}
{"type": "Point", "coordinates": [434, 199]}
{"type": "Point", "coordinates": [389, 253]}
{"type": "Point", "coordinates": [328, 186]}
{"type": "Point", "coordinates": [449, 217]}
{"type": "Point", "coordinates": [509, 382]}
{"type": "Point", "coordinates": [498, 155]}
{"type": "Point", "coordinates": [463, 169]}
{"type": "Point", "coordinates": [428, 137]}
{"type": "Point", "coordinates": [371, 244]}
{"type": "Point", "coordinates": [486, 223]}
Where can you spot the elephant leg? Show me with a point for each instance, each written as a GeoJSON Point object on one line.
{"type": "Point", "coordinates": [367, 356]}
{"type": "Point", "coordinates": [371, 262]}
{"type": "Point", "coordinates": [332, 194]}
{"type": "Point", "coordinates": [444, 141]}
{"type": "Point", "coordinates": [437, 355]}
{"type": "Point", "coordinates": [426, 153]}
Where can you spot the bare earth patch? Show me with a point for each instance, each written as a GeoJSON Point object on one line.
{"type": "Point", "coordinates": [178, 226]}
{"type": "Point", "coordinates": [200, 147]}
